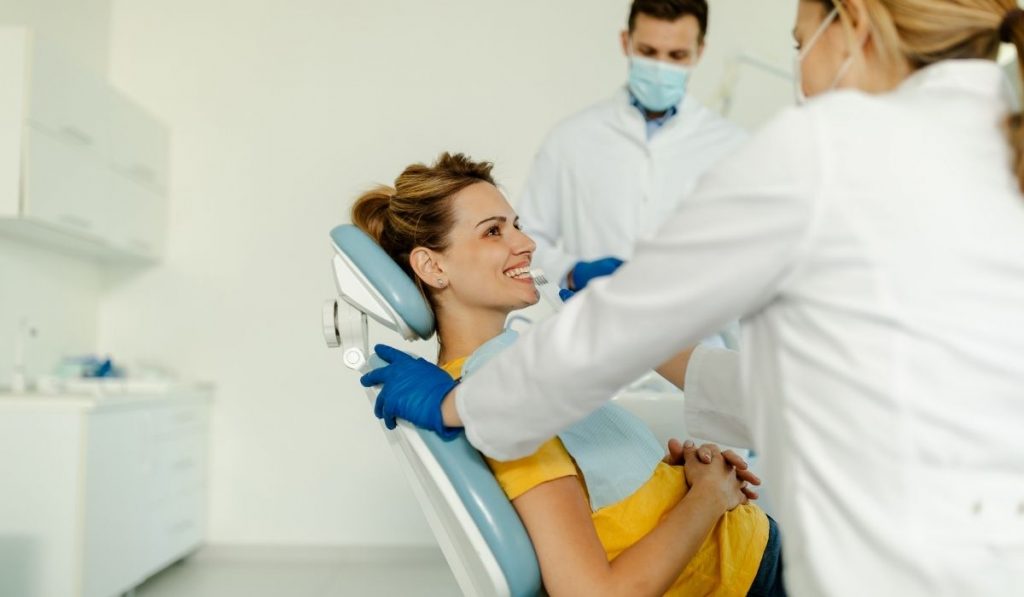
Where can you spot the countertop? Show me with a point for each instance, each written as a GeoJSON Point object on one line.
{"type": "Point", "coordinates": [104, 394]}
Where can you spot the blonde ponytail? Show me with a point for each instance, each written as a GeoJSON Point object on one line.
{"type": "Point", "coordinates": [1012, 31]}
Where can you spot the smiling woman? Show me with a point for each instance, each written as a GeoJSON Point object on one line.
{"type": "Point", "coordinates": [453, 232]}
{"type": "Point", "coordinates": [604, 513]}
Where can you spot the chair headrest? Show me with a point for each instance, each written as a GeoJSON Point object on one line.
{"type": "Point", "coordinates": [369, 280]}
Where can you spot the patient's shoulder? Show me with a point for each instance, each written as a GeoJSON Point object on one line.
{"type": "Point", "coordinates": [550, 461]}
{"type": "Point", "coordinates": [454, 368]}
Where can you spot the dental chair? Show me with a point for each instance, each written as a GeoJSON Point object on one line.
{"type": "Point", "coordinates": [477, 528]}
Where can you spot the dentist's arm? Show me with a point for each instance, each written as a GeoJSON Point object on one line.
{"type": "Point", "coordinates": [714, 407]}
{"type": "Point", "coordinates": [449, 413]}
{"type": "Point", "coordinates": [674, 369]}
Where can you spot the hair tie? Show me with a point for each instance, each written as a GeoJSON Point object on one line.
{"type": "Point", "coordinates": [1009, 24]}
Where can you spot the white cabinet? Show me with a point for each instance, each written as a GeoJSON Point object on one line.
{"type": "Point", "coordinates": [82, 167]}
{"type": "Point", "coordinates": [113, 500]}
{"type": "Point", "coordinates": [76, 198]}
{"type": "Point", "coordinates": [98, 494]}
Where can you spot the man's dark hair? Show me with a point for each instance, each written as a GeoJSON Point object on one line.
{"type": "Point", "coordinates": [671, 10]}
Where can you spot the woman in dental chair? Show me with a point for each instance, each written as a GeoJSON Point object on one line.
{"type": "Point", "coordinates": [605, 514]}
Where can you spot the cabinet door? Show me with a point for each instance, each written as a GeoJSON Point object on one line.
{"type": "Point", "coordinates": [177, 499]}
{"type": "Point", "coordinates": [138, 217]}
{"type": "Point", "coordinates": [176, 528]}
{"type": "Point", "coordinates": [65, 186]}
{"type": "Point", "coordinates": [138, 144]}
{"type": "Point", "coordinates": [68, 101]}
{"type": "Point", "coordinates": [115, 493]}
{"type": "Point", "coordinates": [40, 472]}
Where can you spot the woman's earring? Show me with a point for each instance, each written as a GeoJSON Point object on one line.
{"type": "Point", "coordinates": [441, 282]}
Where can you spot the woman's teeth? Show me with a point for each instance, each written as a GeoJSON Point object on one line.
{"type": "Point", "coordinates": [519, 273]}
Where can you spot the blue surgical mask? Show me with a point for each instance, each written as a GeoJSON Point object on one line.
{"type": "Point", "coordinates": [657, 85]}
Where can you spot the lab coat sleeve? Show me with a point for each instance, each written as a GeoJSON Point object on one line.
{"type": "Point", "coordinates": [540, 213]}
{"type": "Point", "coordinates": [714, 406]}
{"type": "Point", "coordinates": [726, 253]}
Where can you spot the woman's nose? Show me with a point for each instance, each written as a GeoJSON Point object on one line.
{"type": "Point", "coordinates": [524, 244]}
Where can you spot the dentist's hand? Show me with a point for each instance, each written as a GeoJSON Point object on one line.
{"type": "Point", "coordinates": [565, 294]}
{"type": "Point", "coordinates": [412, 389]}
{"type": "Point", "coordinates": [585, 271]}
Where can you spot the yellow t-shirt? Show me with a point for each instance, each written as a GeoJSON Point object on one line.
{"type": "Point", "coordinates": [725, 564]}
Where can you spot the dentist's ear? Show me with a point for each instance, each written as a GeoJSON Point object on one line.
{"type": "Point", "coordinates": [860, 24]}
{"type": "Point", "coordinates": [428, 268]}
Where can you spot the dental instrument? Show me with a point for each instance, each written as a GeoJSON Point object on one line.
{"type": "Point", "coordinates": [546, 289]}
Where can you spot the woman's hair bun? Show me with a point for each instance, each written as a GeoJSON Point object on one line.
{"type": "Point", "coordinates": [370, 211]}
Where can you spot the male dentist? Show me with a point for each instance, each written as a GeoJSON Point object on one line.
{"type": "Point", "coordinates": [611, 174]}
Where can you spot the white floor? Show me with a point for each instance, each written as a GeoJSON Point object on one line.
{"type": "Point", "coordinates": [290, 576]}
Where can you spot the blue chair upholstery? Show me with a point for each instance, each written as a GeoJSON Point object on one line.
{"type": "Point", "coordinates": [465, 468]}
{"type": "Point", "coordinates": [387, 277]}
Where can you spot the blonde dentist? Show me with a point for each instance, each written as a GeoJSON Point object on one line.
{"type": "Point", "coordinates": [873, 242]}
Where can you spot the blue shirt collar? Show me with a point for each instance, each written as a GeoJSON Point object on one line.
{"type": "Point", "coordinates": [655, 124]}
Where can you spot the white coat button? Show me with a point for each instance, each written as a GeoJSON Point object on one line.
{"type": "Point", "coordinates": [976, 508]}
{"type": "Point", "coordinates": [1020, 509]}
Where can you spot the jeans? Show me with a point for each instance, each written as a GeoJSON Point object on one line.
{"type": "Point", "coordinates": [768, 582]}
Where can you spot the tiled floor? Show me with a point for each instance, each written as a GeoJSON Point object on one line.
{"type": "Point", "coordinates": [288, 577]}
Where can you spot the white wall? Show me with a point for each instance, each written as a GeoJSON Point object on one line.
{"type": "Point", "coordinates": [59, 294]}
{"type": "Point", "coordinates": [79, 27]}
{"type": "Point", "coordinates": [282, 111]}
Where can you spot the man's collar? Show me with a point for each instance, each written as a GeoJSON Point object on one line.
{"type": "Point", "coordinates": [643, 111]}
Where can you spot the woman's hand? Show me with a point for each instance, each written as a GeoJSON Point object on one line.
{"type": "Point", "coordinates": [743, 473]}
{"type": "Point", "coordinates": [716, 479]}
{"type": "Point", "coordinates": [723, 476]}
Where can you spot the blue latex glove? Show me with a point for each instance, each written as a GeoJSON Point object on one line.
{"type": "Point", "coordinates": [565, 294]}
{"type": "Point", "coordinates": [412, 389]}
{"type": "Point", "coordinates": [585, 271]}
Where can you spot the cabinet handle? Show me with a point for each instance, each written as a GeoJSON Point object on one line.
{"type": "Point", "coordinates": [76, 134]}
{"type": "Point", "coordinates": [75, 221]}
{"type": "Point", "coordinates": [143, 173]}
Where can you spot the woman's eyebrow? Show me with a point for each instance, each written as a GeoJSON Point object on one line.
{"type": "Point", "coordinates": [501, 219]}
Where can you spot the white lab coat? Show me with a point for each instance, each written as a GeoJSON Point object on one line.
{"type": "Point", "coordinates": [598, 184]}
{"type": "Point", "coordinates": [875, 245]}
